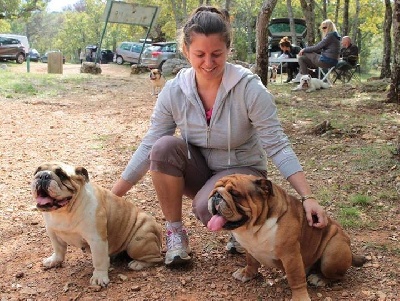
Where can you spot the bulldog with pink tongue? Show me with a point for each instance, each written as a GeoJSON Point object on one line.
{"type": "Point", "coordinates": [272, 227]}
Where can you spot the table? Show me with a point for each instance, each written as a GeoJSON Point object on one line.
{"type": "Point", "coordinates": [281, 61]}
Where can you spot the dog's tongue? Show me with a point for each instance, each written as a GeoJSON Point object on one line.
{"type": "Point", "coordinates": [216, 223]}
{"type": "Point", "coordinates": [40, 200]}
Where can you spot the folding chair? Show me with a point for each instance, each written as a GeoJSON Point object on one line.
{"type": "Point", "coordinates": [346, 74]}
{"type": "Point", "coordinates": [324, 74]}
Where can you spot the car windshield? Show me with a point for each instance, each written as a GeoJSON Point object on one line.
{"type": "Point", "coordinates": [280, 28]}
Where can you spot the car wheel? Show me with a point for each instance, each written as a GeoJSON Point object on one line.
{"type": "Point", "coordinates": [20, 58]}
{"type": "Point", "coordinates": [119, 60]}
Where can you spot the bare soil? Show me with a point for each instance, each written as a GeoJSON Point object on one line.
{"type": "Point", "coordinates": [97, 123]}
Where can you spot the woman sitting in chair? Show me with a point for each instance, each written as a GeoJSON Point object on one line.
{"type": "Point", "coordinates": [289, 51]}
{"type": "Point", "coordinates": [329, 48]}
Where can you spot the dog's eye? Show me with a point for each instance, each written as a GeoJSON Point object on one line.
{"type": "Point", "coordinates": [235, 193]}
{"type": "Point", "coordinates": [60, 173]}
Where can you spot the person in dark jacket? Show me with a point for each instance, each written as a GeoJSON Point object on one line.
{"type": "Point", "coordinates": [309, 57]}
{"type": "Point", "coordinates": [348, 55]}
{"type": "Point", "coordinates": [289, 51]}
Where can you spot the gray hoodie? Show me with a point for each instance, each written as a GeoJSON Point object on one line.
{"type": "Point", "coordinates": [244, 128]}
{"type": "Point", "coordinates": [329, 47]}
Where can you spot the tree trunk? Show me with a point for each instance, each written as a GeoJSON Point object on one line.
{"type": "Point", "coordinates": [337, 11]}
{"type": "Point", "coordinates": [308, 11]}
{"type": "Point", "coordinates": [291, 21]}
{"type": "Point", "coordinates": [324, 13]}
{"type": "Point", "coordinates": [387, 44]}
{"type": "Point", "coordinates": [262, 40]}
{"type": "Point", "coordinates": [345, 27]}
{"type": "Point", "coordinates": [355, 24]}
{"type": "Point", "coordinates": [228, 5]}
{"type": "Point", "coordinates": [394, 90]}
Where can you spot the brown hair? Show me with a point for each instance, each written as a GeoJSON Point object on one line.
{"type": "Point", "coordinates": [285, 42]}
{"type": "Point", "coordinates": [207, 20]}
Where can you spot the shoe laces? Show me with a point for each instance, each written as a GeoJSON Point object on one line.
{"type": "Point", "coordinates": [176, 239]}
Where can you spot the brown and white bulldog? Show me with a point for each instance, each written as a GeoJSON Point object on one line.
{"type": "Point", "coordinates": [271, 225]}
{"type": "Point", "coordinates": [83, 214]}
{"type": "Point", "coordinates": [157, 81]}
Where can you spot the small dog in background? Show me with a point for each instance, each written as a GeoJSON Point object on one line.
{"type": "Point", "coordinates": [311, 84]}
{"type": "Point", "coordinates": [157, 81]}
{"type": "Point", "coordinates": [272, 72]}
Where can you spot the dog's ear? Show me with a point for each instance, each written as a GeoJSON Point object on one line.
{"type": "Point", "coordinates": [37, 170]}
{"type": "Point", "coordinates": [265, 185]}
{"type": "Point", "coordinates": [83, 172]}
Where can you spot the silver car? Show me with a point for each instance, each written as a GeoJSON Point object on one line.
{"type": "Point", "coordinates": [128, 52]}
{"type": "Point", "coordinates": [155, 55]}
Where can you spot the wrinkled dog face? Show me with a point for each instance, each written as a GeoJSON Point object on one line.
{"type": "Point", "coordinates": [56, 185]}
{"type": "Point", "coordinates": [155, 74]}
{"type": "Point", "coordinates": [305, 81]}
{"type": "Point", "coordinates": [236, 198]}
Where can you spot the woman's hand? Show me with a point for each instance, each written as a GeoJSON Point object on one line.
{"type": "Point", "coordinates": [316, 215]}
{"type": "Point", "coordinates": [301, 52]}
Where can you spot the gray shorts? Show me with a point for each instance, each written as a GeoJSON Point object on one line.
{"type": "Point", "coordinates": [169, 155]}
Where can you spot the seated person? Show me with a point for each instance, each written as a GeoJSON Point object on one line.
{"type": "Point", "coordinates": [348, 55]}
{"type": "Point", "coordinates": [329, 48]}
{"type": "Point", "coordinates": [289, 51]}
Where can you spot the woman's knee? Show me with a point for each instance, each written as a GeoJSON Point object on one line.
{"type": "Point", "coordinates": [165, 147]}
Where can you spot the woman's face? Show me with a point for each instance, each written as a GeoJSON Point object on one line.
{"type": "Point", "coordinates": [207, 55]}
{"type": "Point", "coordinates": [285, 48]}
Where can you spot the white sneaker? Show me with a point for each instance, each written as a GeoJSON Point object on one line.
{"type": "Point", "coordinates": [297, 78]}
{"type": "Point", "coordinates": [178, 249]}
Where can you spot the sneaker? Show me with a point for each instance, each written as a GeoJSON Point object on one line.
{"type": "Point", "coordinates": [233, 247]}
{"type": "Point", "coordinates": [178, 249]}
{"type": "Point", "coordinates": [297, 78]}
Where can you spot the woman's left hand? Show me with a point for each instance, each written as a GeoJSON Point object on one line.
{"type": "Point", "coordinates": [316, 215]}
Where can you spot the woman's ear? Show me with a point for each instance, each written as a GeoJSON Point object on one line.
{"type": "Point", "coordinates": [185, 51]}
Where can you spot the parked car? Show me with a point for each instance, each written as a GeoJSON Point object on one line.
{"type": "Point", "coordinates": [155, 55]}
{"type": "Point", "coordinates": [23, 39]}
{"type": "Point", "coordinates": [128, 52]}
{"type": "Point", "coordinates": [44, 58]}
{"type": "Point", "coordinates": [107, 56]}
{"type": "Point", "coordinates": [279, 28]}
{"type": "Point", "coordinates": [34, 55]}
{"type": "Point", "coordinates": [11, 49]}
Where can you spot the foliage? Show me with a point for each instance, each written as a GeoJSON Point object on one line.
{"type": "Point", "coordinates": [81, 24]}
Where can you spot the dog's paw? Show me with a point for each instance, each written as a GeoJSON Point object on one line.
{"type": "Point", "coordinates": [242, 275]}
{"type": "Point", "coordinates": [100, 278]}
{"type": "Point", "coordinates": [52, 261]}
{"type": "Point", "coordinates": [316, 280]}
{"type": "Point", "coordinates": [137, 265]}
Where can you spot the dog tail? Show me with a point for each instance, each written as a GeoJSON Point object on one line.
{"type": "Point", "coordinates": [326, 85]}
{"type": "Point", "coordinates": [358, 260]}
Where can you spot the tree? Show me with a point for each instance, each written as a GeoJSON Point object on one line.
{"type": "Point", "coordinates": [308, 7]}
{"type": "Point", "coordinates": [12, 9]}
{"type": "Point", "coordinates": [292, 27]}
{"type": "Point", "coordinates": [345, 27]}
{"type": "Point", "coordinates": [262, 40]}
{"type": "Point", "coordinates": [394, 90]}
{"type": "Point", "coordinates": [387, 42]}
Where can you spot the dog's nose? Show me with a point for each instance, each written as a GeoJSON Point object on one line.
{"type": "Point", "coordinates": [45, 176]}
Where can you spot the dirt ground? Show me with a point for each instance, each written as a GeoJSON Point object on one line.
{"type": "Point", "coordinates": [97, 123]}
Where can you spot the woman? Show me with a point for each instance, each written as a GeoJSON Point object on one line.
{"type": "Point", "coordinates": [289, 51]}
{"type": "Point", "coordinates": [329, 49]}
{"type": "Point", "coordinates": [228, 123]}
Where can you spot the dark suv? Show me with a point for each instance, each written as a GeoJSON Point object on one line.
{"type": "Point", "coordinates": [279, 28]}
{"type": "Point", "coordinates": [155, 55]}
{"type": "Point", "coordinates": [11, 49]}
